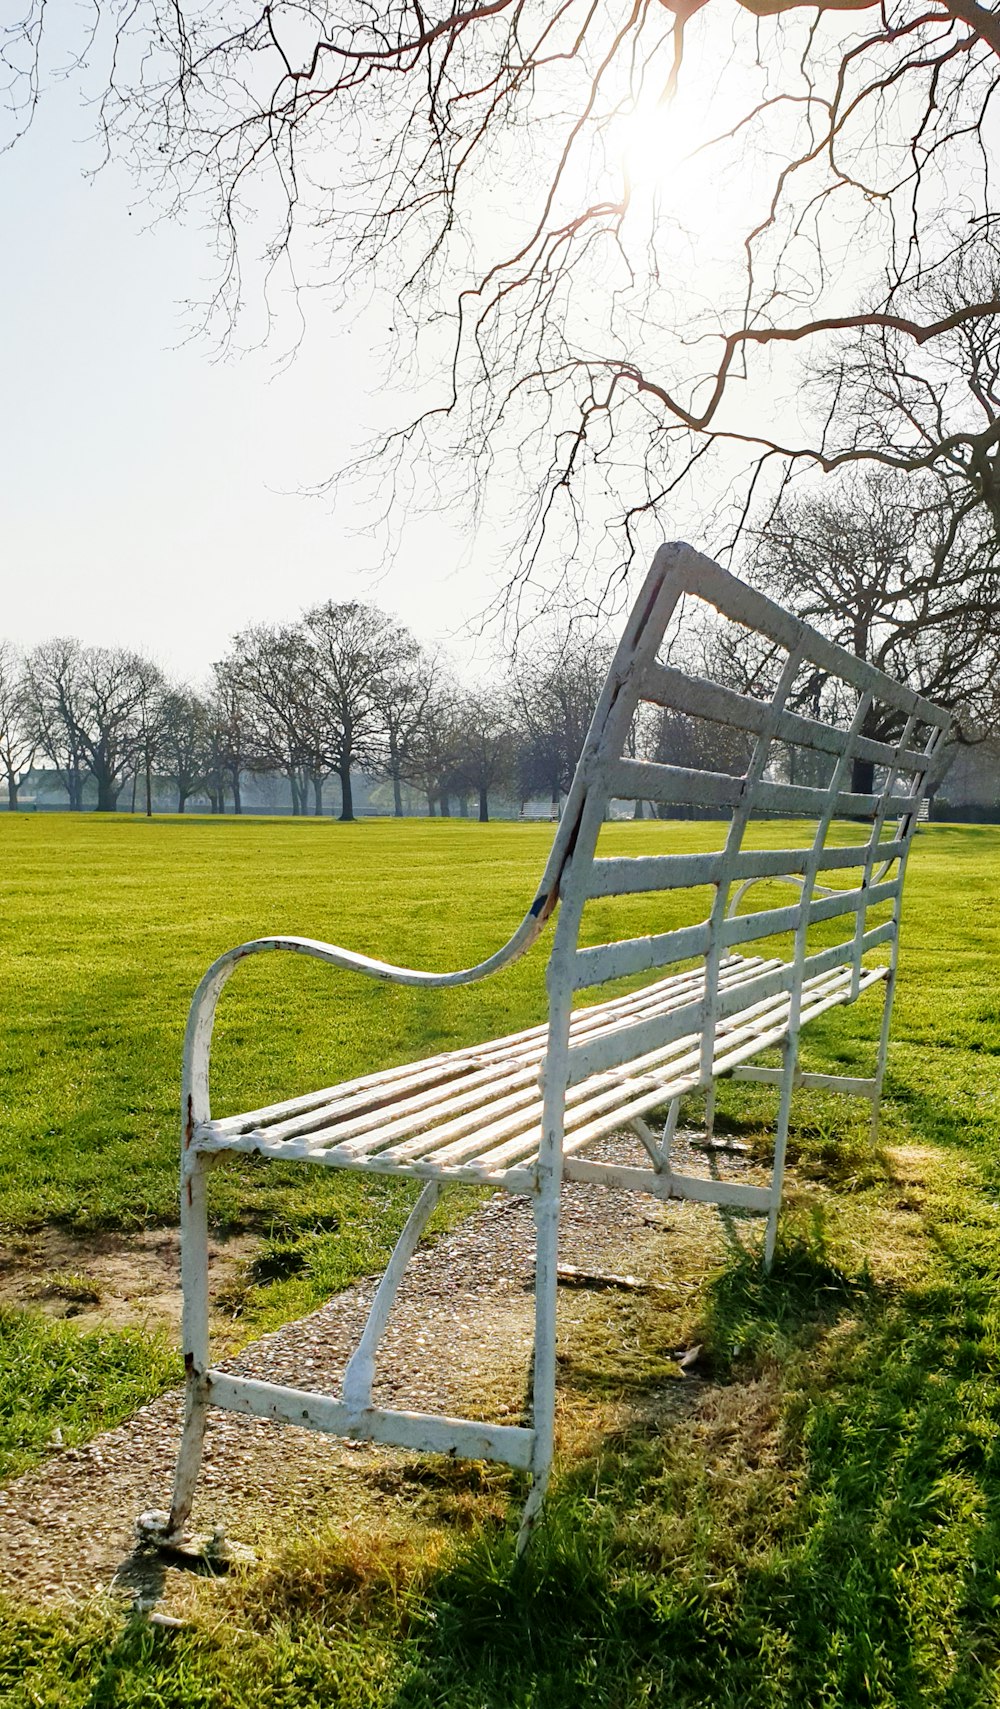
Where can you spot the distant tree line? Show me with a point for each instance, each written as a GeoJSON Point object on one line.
{"type": "Point", "coordinates": [347, 689]}
{"type": "Point", "coordinates": [344, 690]}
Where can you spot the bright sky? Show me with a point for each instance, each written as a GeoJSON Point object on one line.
{"type": "Point", "coordinates": [150, 493]}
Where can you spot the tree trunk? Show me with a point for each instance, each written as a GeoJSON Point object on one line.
{"type": "Point", "coordinates": [318, 795]}
{"type": "Point", "coordinates": [11, 792]}
{"type": "Point", "coordinates": [862, 776]}
{"type": "Point", "coordinates": [484, 806]}
{"type": "Point", "coordinates": [397, 796]}
{"type": "Point", "coordinates": [181, 800]}
{"type": "Point", "coordinates": [445, 806]}
{"type": "Point", "coordinates": [639, 810]}
{"type": "Point", "coordinates": [431, 805]}
{"type": "Point", "coordinates": [293, 784]}
{"type": "Point", "coordinates": [107, 794]}
{"type": "Point", "coordinates": [149, 789]}
{"type": "Point", "coordinates": [346, 796]}
{"type": "Point", "coordinates": [237, 796]}
{"type": "Point", "coordinates": [862, 770]}
{"type": "Point", "coordinates": [463, 806]}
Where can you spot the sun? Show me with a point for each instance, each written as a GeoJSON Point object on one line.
{"type": "Point", "coordinates": [680, 161]}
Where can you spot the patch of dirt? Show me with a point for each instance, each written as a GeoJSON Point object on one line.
{"type": "Point", "coordinates": [120, 1280]}
{"type": "Point", "coordinates": [459, 1341]}
{"type": "Point", "coordinates": [909, 1162]}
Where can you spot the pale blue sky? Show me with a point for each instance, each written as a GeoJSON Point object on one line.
{"type": "Point", "coordinates": [149, 491]}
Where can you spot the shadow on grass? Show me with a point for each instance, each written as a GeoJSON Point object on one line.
{"type": "Point", "coordinates": [853, 1559]}
{"type": "Point", "coordinates": [818, 1524]}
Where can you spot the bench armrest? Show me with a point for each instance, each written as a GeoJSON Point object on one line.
{"type": "Point", "coordinates": [201, 1019]}
{"type": "Point", "coordinates": [771, 878]}
{"type": "Point", "coordinates": [794, 878]}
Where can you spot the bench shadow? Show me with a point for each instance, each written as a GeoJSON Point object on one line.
{"type": "Point", "coordinates": [634, 1590]}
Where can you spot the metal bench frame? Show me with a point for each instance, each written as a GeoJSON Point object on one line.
{"type": "Point", "coordinates": [520, 1112]}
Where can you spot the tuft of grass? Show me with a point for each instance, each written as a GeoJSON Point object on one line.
{"type": "Point", "coordinates": [55, 1378]}
{"type": "Point", "coordinates": [77, 1289]}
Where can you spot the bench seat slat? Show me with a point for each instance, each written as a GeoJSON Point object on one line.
{"type": "Point", "coordinates": [657, 1068]}
{"type": "Point", "coordinates": [507, 1085]}
{"type": "Point", "coordinates": [497, 1136]}
{"type": "Point", "coordinates": [644, 1085]}
{"type": "Point", "coordinates": [731, 1050]}
{"type": "Point", "coordinates": [505, 1093]}
{"type": "Point", "coordinates": [314, 1109]}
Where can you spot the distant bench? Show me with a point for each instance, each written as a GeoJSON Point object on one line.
{"type": "Point", "coordinates": [524, 1113]}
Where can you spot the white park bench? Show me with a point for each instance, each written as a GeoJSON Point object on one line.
{"type": "Point", "coordinates": [525, 1113]}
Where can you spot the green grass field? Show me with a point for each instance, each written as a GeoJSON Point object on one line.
{"type": "Point", "coordinates": [109, 923]}
{"type": "Point", "coordinates": [847, 1554]}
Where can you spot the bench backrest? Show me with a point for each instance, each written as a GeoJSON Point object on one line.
{"type": "Point", "coordinates": [903, 770]}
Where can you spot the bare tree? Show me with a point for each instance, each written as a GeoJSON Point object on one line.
{"type": "Point", "coordinates": [871, 564]}
{"type": "Point", "coordinates": [593, 342]}
{"type": "Point", "coordinates": [436, 753]}
{"type": "Point", "coordinates": [55, 691]}
{"type": "Point", "coordinates": [18, 740]}
{"type": "Point", "coordinates": [269, 668]}
{"type": "Point", "coordinates": [114, 688]}
{"type": "Point", "coordinates": [350, 648]}
{"type": "Point", "coordinates": [405, 691]}
{"type": "Point", "coordinates": [487, 745]}
{"type": "Point", "coordinates": [185, 738]}
{"type": "Point", "coordinates": [152, 731]}
{"type": "Point", "coordinates": [232, 727]}
{"type": "Point", "coordinates": [932, 406]}
{"type": "Point", "coordinates": [556, 683]}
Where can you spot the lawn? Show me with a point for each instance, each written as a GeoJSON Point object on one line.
{"type": "Point", "coordinates": [109, 923]}
{"type": "Point", "coordinates": [825, 1530]}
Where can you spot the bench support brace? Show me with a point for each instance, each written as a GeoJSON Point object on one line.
{"type": "Point", "coordinates": [545, 1206]}
{"type": "Point", "coordinates": [360, 1372]}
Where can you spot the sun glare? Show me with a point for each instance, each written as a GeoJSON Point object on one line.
{"type": "Point", "coordinates": [662, 158]}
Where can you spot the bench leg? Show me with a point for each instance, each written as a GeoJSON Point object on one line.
{"type": "Point", "coordinates": [710, 1110]}
{"type": "Point", "coordinates": [659, 1150]}
{"type": "Point", "coordinates": [360, 1372]}
{"type": "Point", "coordinates": [883, 1051]}
{"type": "Point", "coordinates": [546, 1211]}
{"type": "Point", "coordinates": [194, 1281]}
{"type": "Point", "coordinates": [790, 1056]}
